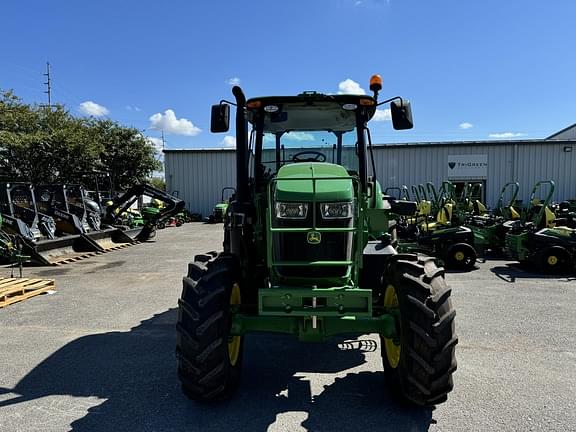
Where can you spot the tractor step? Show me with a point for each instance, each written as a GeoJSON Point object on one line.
{"type": "Point", "coordinates": [13, 290]}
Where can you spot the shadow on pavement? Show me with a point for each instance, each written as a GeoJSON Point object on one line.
{"type": "Point", "coordinates": [134, 373]}
{"type": "Point", "coordinates": [513, 271]}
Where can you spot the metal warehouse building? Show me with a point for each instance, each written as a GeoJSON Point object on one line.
{"type": "Point", "coordinates": [200, 174]}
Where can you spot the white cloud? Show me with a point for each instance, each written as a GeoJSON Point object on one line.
{"type": "Point", "coordinates": [299, 136]}
{"type": "Point", "coordinates": [93, 109]}
{"type": "Point", "coordinates": [466, 125]}
{"type": "Point", "coordinates": [233, 81]}
{"type": "Point", "coordinates": [156, 142]}
{"type": "Point", "coordinates": [132, 108]}
{"type": "Point", "coordinates": [507, 135]}
{"type": "Point", "coordinates": [382, 115]}
{"type": "Point", "coordinates": [349, 86]}
{"type": "Point", "coordinates": [170, 124]}
{"type": "Point", "coordinates": [229, 141]}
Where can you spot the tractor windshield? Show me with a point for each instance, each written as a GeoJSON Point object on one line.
{"type": "Point", "coordinates": [310, 146]}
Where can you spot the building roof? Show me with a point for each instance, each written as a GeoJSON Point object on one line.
{"type": "Point", "coordinates": [477, 143]}
{"type": "Point", "coordinates": [201, 150]}
{"type": "Point", "coordinates": [566, 133]}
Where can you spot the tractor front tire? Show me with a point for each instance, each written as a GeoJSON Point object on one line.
{"type": "Point", "coordinates": [209, 357]}
{"type": "Point", "coordinates": [419, 364]}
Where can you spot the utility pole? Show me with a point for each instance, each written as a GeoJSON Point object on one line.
{"type": "Point", "coordinates": [163, 142]}
{"type": "Point", "coordinates": [48, 84]}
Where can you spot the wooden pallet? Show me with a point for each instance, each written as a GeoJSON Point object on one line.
{"type": "Point", "coordinates": [13, 290]}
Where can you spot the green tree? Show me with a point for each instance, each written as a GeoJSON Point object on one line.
{"type": "Point", "coordinates": [49, 145]}
{"type": "Point", "coordinates": [127, 155]}
{"type": "Point", "coordinates": [158, 183]}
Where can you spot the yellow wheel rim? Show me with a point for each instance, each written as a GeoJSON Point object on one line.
{"type": "Point", "coordinates": [552, 260]}
{"type": "Point", "coordinates": [234, 341]}
{"type": "Point", "coordinates": [459, 256]}
{"type": "Point", "coordinates": [392, 350]}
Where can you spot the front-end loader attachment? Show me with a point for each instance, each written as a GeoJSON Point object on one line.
{"type": "Point", "coordinates": [60, 250]}
{"type": "Point", "coordinates": [153, 216]}
{"type": "Point", "coordinates": [110, 239]}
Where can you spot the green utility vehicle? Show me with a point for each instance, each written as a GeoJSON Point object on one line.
{"type": "Point", "coordinates": [306, 252]}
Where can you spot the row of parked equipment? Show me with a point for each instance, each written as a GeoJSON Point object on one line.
{"type": "Point", "coordinates": [459, 228]}
{"type": "Point", "coordinates": [50, 224]}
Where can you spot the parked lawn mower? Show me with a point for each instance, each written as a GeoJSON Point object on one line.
{"type": "Point", "coordinates": [490, 229]}
{"type": "Point", "coordinates": [454, 245]}
{"type": "Point", "coordinates": [535, 240]}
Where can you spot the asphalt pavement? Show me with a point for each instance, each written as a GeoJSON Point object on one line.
{"type": "Point", "coordinates": [98, 355]}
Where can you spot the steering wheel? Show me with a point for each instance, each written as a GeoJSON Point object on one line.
{"type": "Point", "coordinates": [318, 157]}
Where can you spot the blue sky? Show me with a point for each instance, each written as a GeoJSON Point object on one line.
{"type": "Point", "coordinates": [473, 70]}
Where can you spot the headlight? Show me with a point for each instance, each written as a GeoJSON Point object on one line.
{"type": "Point", "coordinates": [291, 210]}
{"type": "Point", "coordinates": [340, 210]}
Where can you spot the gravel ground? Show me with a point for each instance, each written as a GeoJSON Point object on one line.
{"type": "Point", "coordinates": [98, 355]}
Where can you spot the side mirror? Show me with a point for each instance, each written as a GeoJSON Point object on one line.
{"type": "Point", "coordinates": [220, 118]}
{"type": "Point", "coordinates": [401, 114]}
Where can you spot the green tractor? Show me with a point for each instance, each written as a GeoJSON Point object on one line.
{"type": "Point", "coordinates": [219, 211]}
{"type": "Point", "coordinates": [307, 253]}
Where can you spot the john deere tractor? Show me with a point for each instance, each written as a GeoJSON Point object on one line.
{"type": "Point", "coordinates": [307, 252]}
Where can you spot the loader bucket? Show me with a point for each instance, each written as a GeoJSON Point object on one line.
{"type": "Point", "coordinates": [133, 233]}
{"type": "Point", "coordinates": [60, 250]}
{"type": "Point", "coordinates": [110, 239]}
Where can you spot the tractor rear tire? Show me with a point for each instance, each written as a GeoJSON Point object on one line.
{"type": "Point", "coordinates": [460, 256]}
{"type": "Point", "coordinates": [553, 259]}
{"type": "Point", "coordinates": [420, 367]}
{"type": "Point", "coordinates": [209, 358]}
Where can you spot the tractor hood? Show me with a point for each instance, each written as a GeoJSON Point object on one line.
{"type": "Point", "coordinates": [295, 184]}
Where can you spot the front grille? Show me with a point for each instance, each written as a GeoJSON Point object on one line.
{"type": "Point", "coordinates": [294, 246]}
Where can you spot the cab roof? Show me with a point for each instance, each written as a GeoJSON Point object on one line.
{"type": "Point", "coordinates": [309, 111]}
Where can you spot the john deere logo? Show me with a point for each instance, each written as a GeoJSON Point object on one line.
{"type": "Point", "coordinates": [451, 165]}
{"type": "Point", "coordinates": [314, 237]}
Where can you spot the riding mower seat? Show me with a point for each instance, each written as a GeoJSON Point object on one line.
{"type": "Point", "coordinates": [443, 219]}
{"type": "Point", "coordinates": [423, 211]}
{"type": "Point", "coordinates": [549, 219]}
{"type": "Point", "coordinates": [479, 209]}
